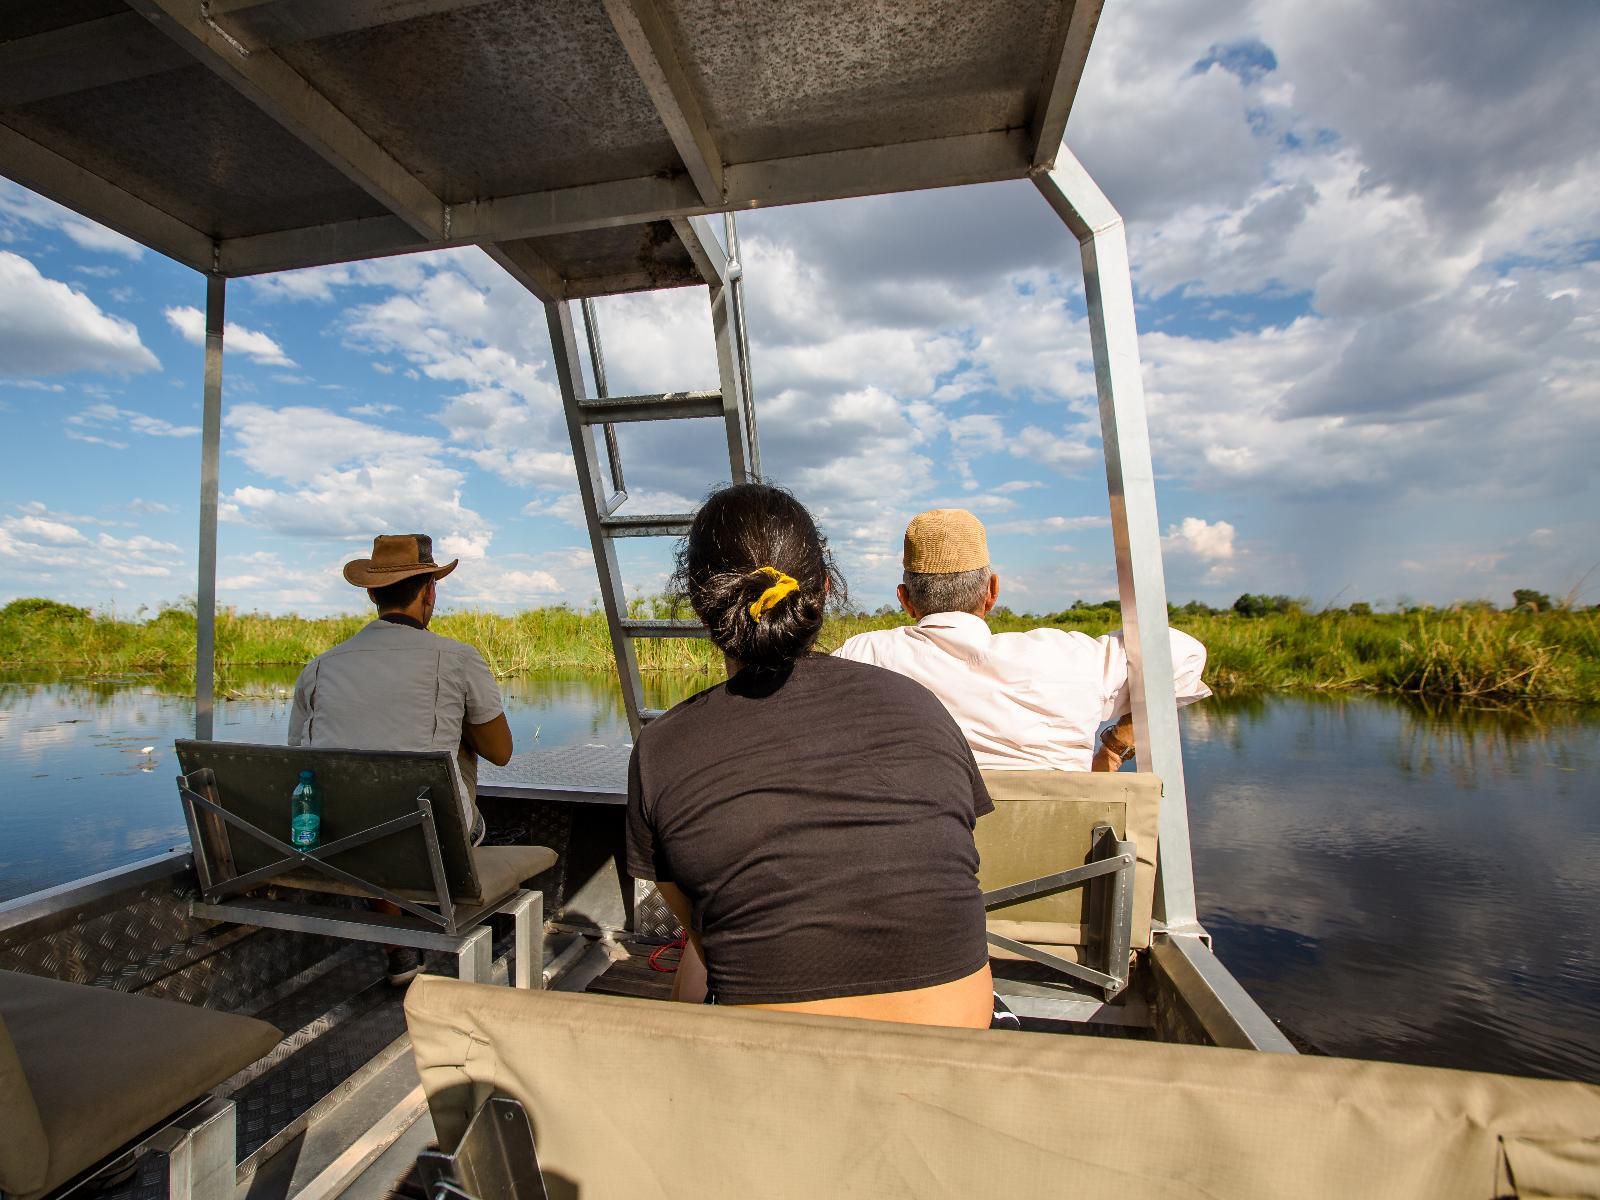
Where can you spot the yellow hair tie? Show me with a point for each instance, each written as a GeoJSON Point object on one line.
{"type": "Point", "coordinates": [782, 585]}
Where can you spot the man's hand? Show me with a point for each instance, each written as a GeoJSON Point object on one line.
{"type": "Point", "coordinates": [1105, 760]}
{"type": "Point", "coordinates": [491, 740]}
{"type": "Point", "coordinates": [1120, 735]}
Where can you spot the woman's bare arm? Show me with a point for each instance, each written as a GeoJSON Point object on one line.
{"type": "Point", "coordinates": [689, 984]}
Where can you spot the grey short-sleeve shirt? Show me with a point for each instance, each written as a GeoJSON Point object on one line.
{"type": "Point", "coordinates": [394, 687]}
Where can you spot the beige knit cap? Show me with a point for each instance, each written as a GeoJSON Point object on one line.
{"type": "Point", "coordinates": [943, 541]}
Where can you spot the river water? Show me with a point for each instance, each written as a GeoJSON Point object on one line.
{"type": "Point", "coordinates": [1390, 881]}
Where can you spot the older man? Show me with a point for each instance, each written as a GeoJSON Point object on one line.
{"type": "Point", "coordinates": [393, 685]}
{"type": "Point", "coordinates": [1026, 701]}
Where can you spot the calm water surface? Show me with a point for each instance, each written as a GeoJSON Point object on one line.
{"type": "Point", "coordinates": [1390, 881]}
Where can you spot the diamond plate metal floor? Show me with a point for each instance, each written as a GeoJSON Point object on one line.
{"type": "Point", "coordinates": [595, 774]}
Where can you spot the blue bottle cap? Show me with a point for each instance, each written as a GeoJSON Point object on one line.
{"type": "Point", "coordinates": [306, 774]}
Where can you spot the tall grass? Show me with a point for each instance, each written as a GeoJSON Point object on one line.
{"type": "Point", "coordinates": [1474, 654]}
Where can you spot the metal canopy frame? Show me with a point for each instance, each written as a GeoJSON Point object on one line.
{"type": "Point", "coordinates": [286, 60]}
{"type": "Point", "coordinates": [613, 230]}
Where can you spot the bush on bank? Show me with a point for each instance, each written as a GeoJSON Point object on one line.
{"type": "Point", "coordinates": [1472, 652]}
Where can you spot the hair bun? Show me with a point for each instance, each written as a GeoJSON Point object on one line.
{"type": "Point", "coordinates": [757, 613]}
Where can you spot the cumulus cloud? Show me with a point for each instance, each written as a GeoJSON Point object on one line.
{"type": "Point", "coordinates": [49, 553]}
{"type": "Point", "coordinates": [334, 477]}
{"type": "Point", "coordinates": [190, 322]}
{"type": "Point", "coordinates": [1200, 539]}
{"type": "Point", "coordinates": [48, 328]}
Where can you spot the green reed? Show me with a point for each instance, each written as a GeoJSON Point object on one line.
{"type": "Point", "coordinates": [1471, 654]}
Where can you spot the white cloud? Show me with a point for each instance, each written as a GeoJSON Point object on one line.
{"type": "Point", "coordinates": [20, 206]}
{"type": "Point", "coordinates": [302, 442]}
{"type": "Point", "coordinates": [41, 529]}
{"type": "Point", "coordinates": [1198, 551]}
{"type": "Point", "coordinates": [46, 550]}
{"type": "Point", "coordinates": [190, 322]}
{"type": "Point", "coordinates": [1200, 539]}
{"type": "Point", "coordinates": [512, 588]}
{"type": "Point", "coordinates": [105, 425]}
{"type": "Point", "coordinates": [1068, 454]}
{"type": "Point", "coordinates": [337, 478]}
{"type": "Point", "coordinates": [48, 328]}
{"type": "Point", "coordinates": [1051, 524]}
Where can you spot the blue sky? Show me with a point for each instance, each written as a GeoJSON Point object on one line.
{"type": "Point", "coordinates": [1365, 244]}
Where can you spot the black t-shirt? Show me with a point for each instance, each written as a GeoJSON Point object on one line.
{"type": "Point", "coordinates": [821, 825]}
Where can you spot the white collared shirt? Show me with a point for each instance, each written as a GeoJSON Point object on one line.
{"type": "Point", "coordinates": [1024, 700]}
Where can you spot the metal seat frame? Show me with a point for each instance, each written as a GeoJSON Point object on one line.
{"type": "Point", "coordinates": [1108, 878]}
{"type": "Point", "coordinates": [199, 1142]}
{"type": "Point", "coordinates": [463, 933]}
{"type": "Point", "coordinates": [495, 1160]}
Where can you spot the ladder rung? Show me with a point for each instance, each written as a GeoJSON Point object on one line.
{"type": "Point", "coordinates": [648, 525]}
{"type": "Point", "coordinates": [662, 629]}
{"type": "Point", "coordinates": [659, 406]}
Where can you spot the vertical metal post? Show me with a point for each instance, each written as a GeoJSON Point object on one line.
{"type": "Point", "coordinates": [730, 230]}
{"type": "Point", "coordinates": [475, 959]}
{"type": "Point", "coordinates": [205, 649]}
{"type": "Point", "coordinates": [200, 1148]}
{"type": "Point", "coordinates": [1130, 478]}
{"type": "Point", "coordinates": [591, 489]}
{"type": "Point", "coordinates": [730, 374]}
{"type": "Point", "coordinates": [527, 939]}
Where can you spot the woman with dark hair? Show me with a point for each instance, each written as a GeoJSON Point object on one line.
{"type": "Point", "coordinates": [809, 820]}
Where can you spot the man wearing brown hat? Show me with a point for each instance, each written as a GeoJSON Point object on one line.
{"type": "Point", "coordinates": [1025, 701]}
{"type": "Point", "coordinates": [395, 686]}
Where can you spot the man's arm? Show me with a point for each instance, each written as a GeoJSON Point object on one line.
{"type": "Point", "coordinates": [484, 730]}
{"type": "Point", "coordinates": [299, 711]}
{"type": "Point", "coordinates": [491, 740]}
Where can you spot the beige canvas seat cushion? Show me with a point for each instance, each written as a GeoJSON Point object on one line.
{"type": "Point", "coordinates": [501, 870]}
{"type": "Point", "coordinates": [1041, 824]}
{"type": "Point", "coordinates": [650, 1099]}
{"type": "Point", "coordinates": [103, 1067]}
{"type": "Point", "coordinates": [24, 1153]}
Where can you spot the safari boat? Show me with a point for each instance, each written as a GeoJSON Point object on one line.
{"type": "Point", "coordinates": [213, 1022]}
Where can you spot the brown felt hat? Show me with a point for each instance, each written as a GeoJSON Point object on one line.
{"type": "Point", "coordinates": [396, 556]}
{"type": "Point", "coordinates": [944, 541]}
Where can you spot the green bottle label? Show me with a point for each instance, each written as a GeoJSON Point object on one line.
{"type": "Point", "coordinates": [303, 829]}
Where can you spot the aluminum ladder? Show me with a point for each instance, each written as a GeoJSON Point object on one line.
{"type": "Point", "coordinates": [602, 486]}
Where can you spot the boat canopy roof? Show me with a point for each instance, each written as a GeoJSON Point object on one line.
{"type": "Point", "coordinates": [246, 136]}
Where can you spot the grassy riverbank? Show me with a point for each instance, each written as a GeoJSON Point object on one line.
{"type": "Point", "coordinates": [1473, 654]}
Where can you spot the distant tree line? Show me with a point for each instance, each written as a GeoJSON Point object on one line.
{"type": "Point", "coordinates": [1252, 604]}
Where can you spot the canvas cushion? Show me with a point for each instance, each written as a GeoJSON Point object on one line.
{"type": "Point", "coordinates": [23, 1149]}
{"type": "Point", "coordinates": [500, 870]}
{"type": "Point", "coordinates": [104, 1066]}
{"type": "Point", "coordinates": [1041, 824]}
{"type": "Point", "coordinates": [503, 869]}
{"type": "Point", "coordinates": [784, 1105]}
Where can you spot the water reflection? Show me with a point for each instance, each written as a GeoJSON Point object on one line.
{"type": "Point", "coordinates": [1392, 880]}
{"type": "Point", "coordinates": [1402, 882]}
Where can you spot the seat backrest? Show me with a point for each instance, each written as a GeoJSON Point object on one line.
{"type": "Point", "coordinates": [360, 789]}
{"type": "Point", "coordinates": [1042, 823]}
{"type": "Point", "coordinates": [24, 1152]}
{"type": "Point", "coordinates": [786, 1105]}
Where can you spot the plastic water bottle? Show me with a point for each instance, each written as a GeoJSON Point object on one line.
{"type": "Point", "coordinates": [305, 812]}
